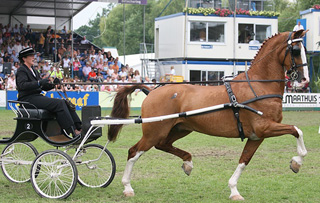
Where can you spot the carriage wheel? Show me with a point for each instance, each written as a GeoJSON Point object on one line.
{"type": "Point", "coordinates": [54, 174]}
{"type": "Point", "coordinates": [16, 161]}
{"type": "Point", "coordinates": [95, 170]}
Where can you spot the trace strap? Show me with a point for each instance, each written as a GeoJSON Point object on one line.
{"type": "Point", "coordinates": [235, 109]}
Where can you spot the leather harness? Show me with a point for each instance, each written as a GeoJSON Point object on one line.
{"type": "Point", "coordinates": [235, 106]}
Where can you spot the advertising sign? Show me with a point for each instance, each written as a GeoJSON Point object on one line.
{"type": "Point", "coordinates": [3, 98]}
{"type": "Point", "coordinates": [79, 99]}
{"type": "Point", "coordinates": [298, 100]}
{"type": "Point", "coordinates": [141, 2]}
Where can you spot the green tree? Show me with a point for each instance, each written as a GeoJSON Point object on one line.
{"type": "Point", "coordinates": [113, 36]}
{"type": "Point", "coordinates": [92, 31]}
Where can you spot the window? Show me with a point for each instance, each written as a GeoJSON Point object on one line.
{"type": "Point", "coordinates": [253, 34]}
{"type": "Point", "coordinates": [207, 32]}
{"type": "Point", "coordinates": [197, 75]}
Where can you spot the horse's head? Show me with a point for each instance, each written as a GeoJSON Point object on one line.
{"type": "Point", "coordinates": [295, 59]}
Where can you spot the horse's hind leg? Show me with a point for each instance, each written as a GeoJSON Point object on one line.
{"type": "Point", "coordinates": [247, 153]}
{"type": "Point", "coordinates": [166, 146]}
{"type": "Point", "coordinates": [133, 155]}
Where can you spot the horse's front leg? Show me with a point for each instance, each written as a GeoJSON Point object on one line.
{"type": "Point", "coordinates": [247, 153]}
{"type": "Point", "coordinates": [277, 129]}
{"type": "Point", "coordinates": [296, 161]}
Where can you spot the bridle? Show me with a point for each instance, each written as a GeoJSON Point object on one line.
{"type": "Point", "coordinates": [294, 51]}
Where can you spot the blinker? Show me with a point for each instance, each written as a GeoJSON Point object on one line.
{"type": "Point", "coordinates": [296, 50]}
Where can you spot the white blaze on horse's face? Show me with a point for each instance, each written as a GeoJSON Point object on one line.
{"type": "Point", "coordinates": [304, 61]}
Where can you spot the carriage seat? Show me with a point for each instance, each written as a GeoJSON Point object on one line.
{"type": "Point", "coordinates": [41, 114]}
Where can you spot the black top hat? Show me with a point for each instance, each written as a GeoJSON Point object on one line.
{"type": "Point", "coordinates": [26, 52]}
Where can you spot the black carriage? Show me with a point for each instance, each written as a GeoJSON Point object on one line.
{"type": "Point", "coordinates": [54, 174]}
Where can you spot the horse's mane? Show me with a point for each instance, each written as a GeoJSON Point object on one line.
{"type": "Point", "coordinates": [264, 42]}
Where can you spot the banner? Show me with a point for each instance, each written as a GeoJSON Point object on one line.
{"type": "Point", "coordinates": [79, 99]}
{"type": "Point", "coordinates": [106, 99]}
{"type": "Point", "coordinates": [3, 98]}
{"type": "Point", "coordinates": [298, 100]}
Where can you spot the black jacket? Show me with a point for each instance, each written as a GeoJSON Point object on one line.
{"type": "Point", "coordinates": [27, 83]}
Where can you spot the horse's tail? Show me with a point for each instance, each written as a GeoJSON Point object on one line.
{"type": "Point", "coordinates": [121, 107]}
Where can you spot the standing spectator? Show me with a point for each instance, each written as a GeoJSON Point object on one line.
{"type": "Point", "coordinates": [172, 71]}
{"type": "Point", "coordinates": [41, 43]}
{"type": "Point", "coordinates": [76, 67]}
{"type": "Point", "coordinates": [66, 66]}
{"type": "Point", "coordinates": [86, 70]}
{"type": "Point", "coordinates": [11, 82]}
{"type": "Point", "coordinates": [28, 32]}
{"type": "Point", "coordinates": [23, 30]}
{"type": "Point", "coordinates": [64, 30]}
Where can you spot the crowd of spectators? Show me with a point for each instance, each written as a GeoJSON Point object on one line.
{"type": "Point", "coordinates": [81, 68]}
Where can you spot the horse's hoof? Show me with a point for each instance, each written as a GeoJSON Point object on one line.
{"type": "Point", "coordinates": [237, 197]}
{"type": "Point", "coordinates": [294, 166]}
{"type": "Point", "coordinates": [187, 167]}
{"type": "Point", "coordinates": [128, 194]}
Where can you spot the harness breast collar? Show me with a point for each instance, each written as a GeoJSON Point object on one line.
{"type": "Point", "coordinates": [235, 106]}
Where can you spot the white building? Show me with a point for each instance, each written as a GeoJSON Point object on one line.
{"type": "Point", "coordinates": [203, 48]}
{"type": "Point", "coordinates": [310, 19]}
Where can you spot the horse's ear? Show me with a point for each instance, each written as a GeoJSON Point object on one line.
{"type": "Point", "coordinates": [298, 34]}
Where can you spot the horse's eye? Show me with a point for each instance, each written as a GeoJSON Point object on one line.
{"type": "Point", "coordinates": [296, 50]}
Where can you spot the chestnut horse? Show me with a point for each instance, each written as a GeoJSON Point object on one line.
{"type": "Point", "coordinates": [277, 54]}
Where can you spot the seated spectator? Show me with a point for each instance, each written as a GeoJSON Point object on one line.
{"type": "Point", "coordinates": [92, 76]}
{"type": "Point", "coordinates": [6, 57]}
{"type": "Point", "coordinates": [15, 67]}
{"type": "Point", "coordinates": [110, 71]}
{"type": "Point", "coordinates": [16, 30]}
{"type": "Point", "coordinates": [57, 73]}
{"type": "Point", "coordinates": [62, 50]}
{"type": "Point", "coordinates": [123, 72]}
{"type": "Point", "coordinates": [137, 76]}
{"type": "Point", "coordinates": [46, 68]}
{"type": "Point", "coordinates": [84, 40]}
{"type": "Point", "coordinates": [98, 65]}
{"type": "Point", "coordinates": [109, 56]}
{"type": "Point", "coordinates": [10, 48]}
{"type": "Point", "coordinates": [86, 70]}
{"type": "Point", "coordinates": [15, 56]}
{"type": "Point", "coordinates": [104, 68]}
{"type": "Point", "coordinates": [17, 47]}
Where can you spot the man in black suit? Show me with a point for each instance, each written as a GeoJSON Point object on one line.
{"type": "Point", "coordinates": [30, 85]}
